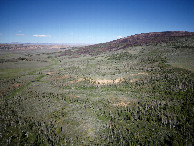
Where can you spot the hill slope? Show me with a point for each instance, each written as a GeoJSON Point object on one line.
{"type": "Point", "coordinates": [142, 39]}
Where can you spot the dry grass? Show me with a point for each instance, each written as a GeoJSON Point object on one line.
{"type": "Point", "coordinates": [73, 96]}
{"type": "Point", "coordinates": [77, 81]}
{"type": "Point", "coordinates": [16, 85]}
{"type": "Point", "coordinates": [63, 77]}
{"type": "Point", "coordinates": [105, 81]}
{"type": "Point", "coordinates": [140, 73]}
{"type": "Point", "coordinates": [122, 103]}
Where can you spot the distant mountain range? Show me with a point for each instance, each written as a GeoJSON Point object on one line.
{"type": "Point", "coordinates": [70, 44]}
{"type": "Point", "coordinates": [30, 46]}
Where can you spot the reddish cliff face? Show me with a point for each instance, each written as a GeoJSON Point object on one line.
{"type": "Point", "coordinates": [134, 40]}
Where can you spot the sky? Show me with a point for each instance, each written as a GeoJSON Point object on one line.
{"type": "Point", "coordinates": [90, 21]}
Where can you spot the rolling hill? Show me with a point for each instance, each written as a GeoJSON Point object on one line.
{"type": "Point", "coordinates": [142, 39]}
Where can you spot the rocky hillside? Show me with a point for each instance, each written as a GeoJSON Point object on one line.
{"type": "Point", "coordinates": [153, 38]}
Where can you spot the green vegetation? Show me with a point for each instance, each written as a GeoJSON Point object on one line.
{"type": "Point", "coordinates": [134, 96]}
{"type": "Point", "coordinates": [121, 56]}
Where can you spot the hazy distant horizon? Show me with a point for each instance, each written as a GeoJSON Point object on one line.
{"type": "Point", "coordinates": [75, 44]}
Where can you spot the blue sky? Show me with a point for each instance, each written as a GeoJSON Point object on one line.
{"type": "Point", "coordinates": [90, 21]}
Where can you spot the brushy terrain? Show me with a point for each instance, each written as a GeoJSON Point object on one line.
{"type": "Point", "coordinates": [137, 95]}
